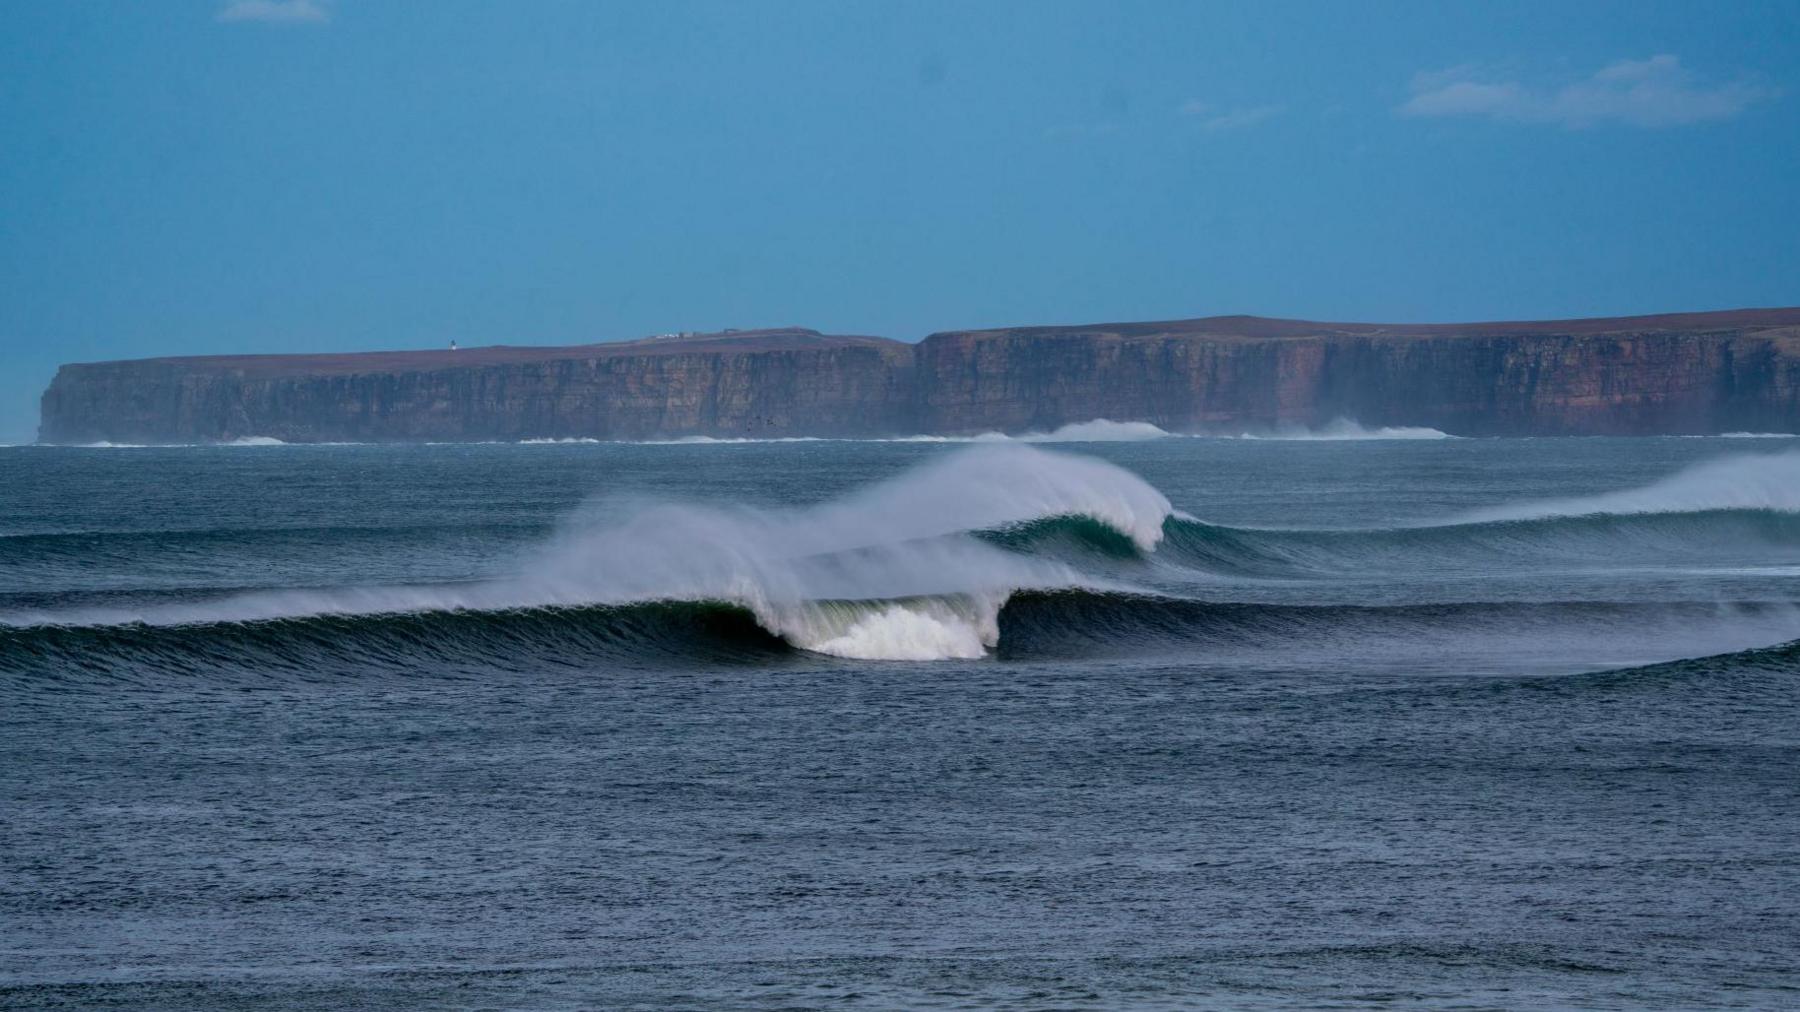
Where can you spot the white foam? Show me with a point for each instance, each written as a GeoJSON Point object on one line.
{"type": "Point", "coordinates": [1099, 430]}
{"type": "Point", "coordinates": [1346, 430]}
{"type": "Point", "coordinates": [680, 441]}
{"type": "Point", "coordinates": [920, 630]}
{"type": "Point", "coordinates": [892, 570]}
{"type": "Point", "coordinates": [240, 441]}
{"type": "Point", "coordinates": [1751, 481]}
{"type": "Point", "coordinates": [717, 440]}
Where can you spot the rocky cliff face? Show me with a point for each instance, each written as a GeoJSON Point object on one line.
{"type": "Point", "coordinates": [1688, 373]}
{"type": "Point", "coordinates": [759, 384]}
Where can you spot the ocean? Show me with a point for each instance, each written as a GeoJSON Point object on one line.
{"type": "Point", "coordinates": [1144, 723]}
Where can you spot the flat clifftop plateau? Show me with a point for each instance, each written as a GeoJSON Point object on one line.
{"type": "Point", "coordinates": [1253, 328]}
{"type": "Point", "coordinates": [1685, 373]}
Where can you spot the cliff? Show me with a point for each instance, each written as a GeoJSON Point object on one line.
{"type": "Point", "coordinates": [1682, 373]}
{"type": "Point", "coordinates": [752, 383]}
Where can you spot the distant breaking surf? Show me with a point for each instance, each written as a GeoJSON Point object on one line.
{"type": "Point", "coordinates": [1345, 430]}
{"type": "Point", "coordinates": [1098, 430]}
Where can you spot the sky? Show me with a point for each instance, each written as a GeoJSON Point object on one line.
{"type": "Point", "coordinates": [195, 177]}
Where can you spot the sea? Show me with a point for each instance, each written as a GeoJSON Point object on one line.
{"type": "Point", "coordinates": [1099, 718]}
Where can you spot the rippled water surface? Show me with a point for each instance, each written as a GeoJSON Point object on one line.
{"type": "Point", "coordinates": [1162, 723]}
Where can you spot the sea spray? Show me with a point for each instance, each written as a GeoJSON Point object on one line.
{"type": "Point", "coordinates": [920, 629]}
{"type": "Point", "coordinates": [894, 570]}
{"type": "Point", "coordinates": [907, 541]}
{"type": "Point", "coordinates": [1742, 482]}
{"type": "Point", "coordinates": [991, 549]}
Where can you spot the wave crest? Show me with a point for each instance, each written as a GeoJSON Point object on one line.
{"type": "Point", "coordinates": [902, 560]}
{"type": "Point", "coordinates": [924, 565]}
{"type": "Point", "coordinates": [1743, 482]}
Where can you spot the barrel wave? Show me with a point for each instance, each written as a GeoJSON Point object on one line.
{"type": "Point", "coordinates": [1007, 552]}
{"type": "Point", "coordinates": [894, 571]}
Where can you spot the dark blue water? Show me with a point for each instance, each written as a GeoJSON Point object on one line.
{"type": "Point", "coordinates": [1175, 723]}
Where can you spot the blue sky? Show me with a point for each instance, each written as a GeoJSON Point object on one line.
{"type": "Point", "coordinates": [301, 175]}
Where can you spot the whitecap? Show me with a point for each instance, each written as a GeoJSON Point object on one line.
{"type": "Point", "coordinates": [1346, 430]}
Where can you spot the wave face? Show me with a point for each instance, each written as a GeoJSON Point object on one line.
{"type": "Point", "coordinates": [442, 643]}
{"type": "Point", "coordinates": [995, 550]}
{"type": "Point", "coordinates": [1058, 625]}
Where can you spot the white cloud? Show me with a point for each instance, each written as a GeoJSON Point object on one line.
{"type": "Point", "coordinates": [1211, 117]}
{"type": "Point", "coordinates": [277, 12]}
{"type": "Point", "coordinates": [1657, 92]}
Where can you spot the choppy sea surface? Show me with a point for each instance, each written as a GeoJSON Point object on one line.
{"type": "Point", "coordinates": [1163, 723]}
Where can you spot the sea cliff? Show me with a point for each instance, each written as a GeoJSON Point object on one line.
{"type": "Point", "coordinates": [1691, 373]}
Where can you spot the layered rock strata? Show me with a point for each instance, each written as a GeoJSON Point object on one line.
{"type": "Point", "coordinates": [1689, 373]}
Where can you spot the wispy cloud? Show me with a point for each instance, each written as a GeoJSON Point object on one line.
{"type": "Point", "coordinates": [277, 12]}
{"type": "Point", "coordinates": [1657, 92]}
{"type": "Point", "coordinates": [1211, 117]}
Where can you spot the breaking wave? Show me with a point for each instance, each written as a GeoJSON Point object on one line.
{"type": "Point", "coordinates": [1100, 430]}
{"type": "Point", "coordinates": [240, 441]}
{"type": "Point", "coordinates": [1346, 430]}
{"type": "Point", "coordinates": [1467, 638]}
{"type": "Point", "coordinates": [994, 549]}
{"type": "Point", "coordinates": [1755, 538]}
{"type": "Point", "coordinates": [1740, 511]}
{"type": "Point", "coordinates": [893, 571]}
{"type": "Point", "coordinates": [1746, 482]}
